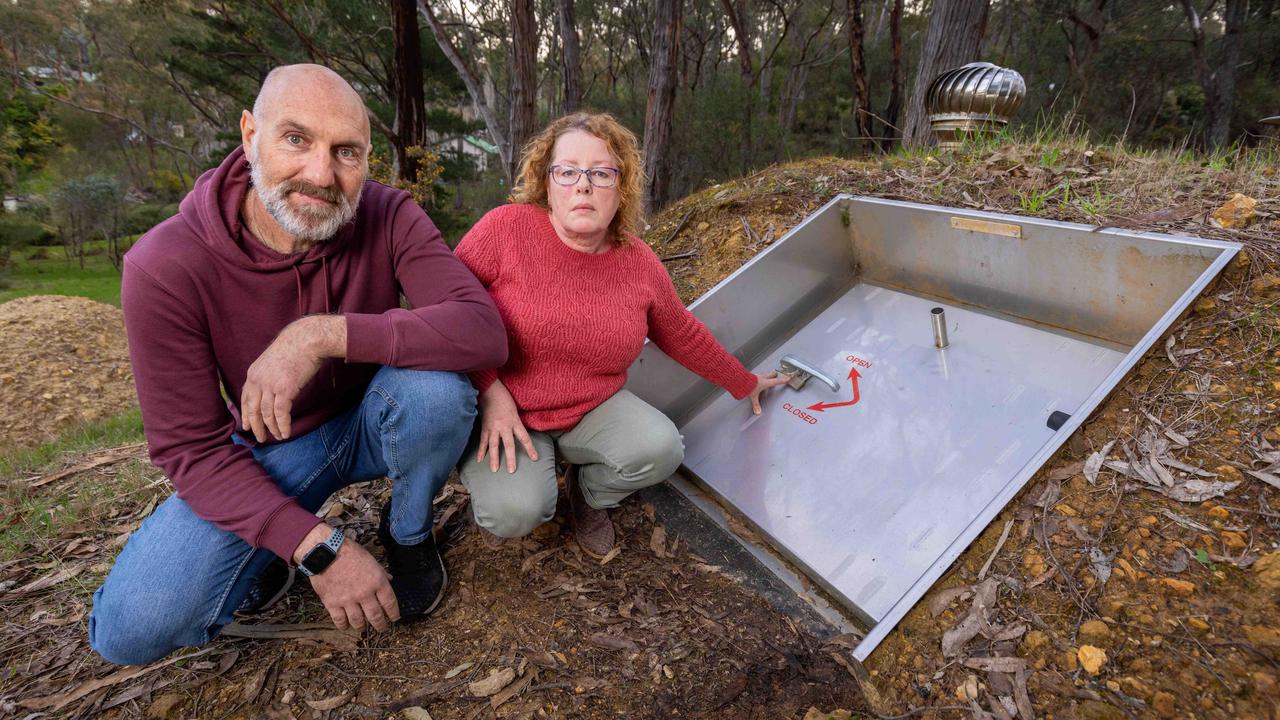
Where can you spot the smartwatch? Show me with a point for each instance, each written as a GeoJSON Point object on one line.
{"type": "Point", "coordinates": [322, 555]}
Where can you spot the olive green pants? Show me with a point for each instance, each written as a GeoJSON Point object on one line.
{"type": "Point", "coordinates": [623, 445]}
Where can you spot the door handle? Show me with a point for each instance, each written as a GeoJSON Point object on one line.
{"type": "Point", "coordinates": [799, 371]}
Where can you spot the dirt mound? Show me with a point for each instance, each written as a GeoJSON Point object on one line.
{"type": "Point", "coordinates": [63, 362]}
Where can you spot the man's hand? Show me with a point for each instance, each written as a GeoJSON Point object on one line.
{"type": "Point", "coordinates": [355, 589]}
{"type": "Point", "coordinates": [278, 375]}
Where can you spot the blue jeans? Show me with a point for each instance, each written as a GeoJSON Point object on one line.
{"type": "Point", "coordinates": [179, 578]}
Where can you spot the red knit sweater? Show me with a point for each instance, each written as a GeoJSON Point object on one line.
{"type": "Point", "coordinates": [576, 321]}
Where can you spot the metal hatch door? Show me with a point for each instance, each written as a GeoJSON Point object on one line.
{"type": "Point", "coordinates": [866, 487]}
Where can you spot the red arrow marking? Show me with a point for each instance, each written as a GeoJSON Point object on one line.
{"type": "Point", "coordinates": [853, 377]}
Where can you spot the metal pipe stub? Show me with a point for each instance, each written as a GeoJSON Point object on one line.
{"type": "Point", "coordinates": [939, 327]}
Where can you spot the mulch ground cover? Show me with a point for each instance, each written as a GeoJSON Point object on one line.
{"type": "Point", "coordinates": [1137, 575]}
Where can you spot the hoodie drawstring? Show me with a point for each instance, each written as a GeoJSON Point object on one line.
{"type": "Point", "coordinates": [297, 276]}
{"type": "Point", "coordinates": [328, 306]}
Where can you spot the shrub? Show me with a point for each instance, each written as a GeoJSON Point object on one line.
{"type": "Point", "coordinates": [20, 230]}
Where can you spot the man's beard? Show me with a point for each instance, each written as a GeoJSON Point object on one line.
{"type": "Point", "coordinates": [311, 224]}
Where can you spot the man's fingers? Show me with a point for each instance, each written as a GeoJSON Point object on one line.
{"type": "Point", "coordinates": [527, 442]}
{"type": "Point", "coordinates": [375, 614]}
{"type": "Point", "coordinates": [268, 408]}
{"type": "Point", "coordinates": [254, 417]}
{"type": "Point", "coordinates": [355, 616]}
{"type": "Point", "coordinates": [248, 405]}
{"type": "Point", "coordinates": [339, 617]}
{"type": "Point", "coordinates": [387, 599]}
{"type": "Point", "coordinates": [755, 403]}
{"type": "Point", "coordinates": [282, 407]}
{"type": "Point", "coordinates": [484, 445]}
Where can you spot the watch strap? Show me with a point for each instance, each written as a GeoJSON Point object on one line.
{"type": "Point", "coordinates": [333, 542]}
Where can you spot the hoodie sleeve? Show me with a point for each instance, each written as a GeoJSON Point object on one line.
{"type": "Point", "coordinates": [453, 324]}
{"type": "Point", "coordinates": [187, 423]}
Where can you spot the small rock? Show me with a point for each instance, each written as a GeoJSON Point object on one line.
{"type": "Point", "coordinates": [287, 697]}
{"type": "Point", "coordinates": [1095, 632]}
{"type": "Point", "coordinates": [1264, 682]}
{"type": "Point", "coordinates": [703, 226]}
{"type": "Point", "coordinates": [1267, 570]}
{"type": "Point", "coordinates": [1234, 540]}
{"type": "Point", "coordinates": [1237, 212]}
{"type": "Point", "coordinates": [1264, 284]}
{"type": "Point", "coordinates": [1033, 564]}
{"type": "Point", "coordinates": [1034, 641]}
{"type": "Point", "coordinates": [1198, 624]}
{"type": "Point", "coordinates": [1262, 635]}
{"type": "Point", "coordinates": [1228, 473]}
{"type": "Point", "coordinates": [1135, 687]}
{"type": "Point", "coordinates": [1091, 658]}
{"type": "Point", "coordinates": [968, 690]}
{"type": "Point", "coordinates": [1181, 587]}
{"type": "Point", "coordinates": [1164, 704]}
{"type": "Point", "coordinates": [1219, 513]}
{"type": "Point", "coordinates": [497, 679]}
{"type": "Point", "coordinates": [1068, 660]}
{"type": "Point", "coordinates": [1205, 305]}
{"type": "Point", "coordinates": [1149, 520]}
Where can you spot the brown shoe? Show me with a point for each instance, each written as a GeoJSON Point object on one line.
{"type": "Point", "coordinates": [592, 528]}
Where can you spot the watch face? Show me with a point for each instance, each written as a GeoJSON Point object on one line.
{"type": "Point", "coordinates": [318, 559]}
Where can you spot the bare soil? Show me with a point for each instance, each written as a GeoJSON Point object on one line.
{"type": "Point", "coordinates": [63, 362]}
{"type": "Point", "coordinates": [1095, 594]}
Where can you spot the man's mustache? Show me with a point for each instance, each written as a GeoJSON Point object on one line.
{"type": "Point", "coordinates": [331, 195]}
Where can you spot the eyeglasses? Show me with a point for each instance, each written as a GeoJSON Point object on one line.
{"type": "Point", "coordinates": [599, 177]}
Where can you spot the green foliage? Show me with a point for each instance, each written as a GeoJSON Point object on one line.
{"type": "Point", "coordinates": [88, 207]}
{"type": "Point", "coordinates": [28, 136]}
{"type": "Point", "coordinates": [141, 218]}
{"type": "Point", "coordinates": [20, 230]}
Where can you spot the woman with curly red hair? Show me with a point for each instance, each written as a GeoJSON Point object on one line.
{"type": "Point", "coordinates": [579, 292]}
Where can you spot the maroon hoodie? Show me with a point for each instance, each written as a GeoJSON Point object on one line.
{"type": "Point", "coordinates": [203, 298]}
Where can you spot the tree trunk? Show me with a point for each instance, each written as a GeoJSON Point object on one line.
{"type": "Point", "coordinates": [893, 112]}
{"type": "Point", "coordinates": [524, 80]}
{"type": "Point", "coordinates": [481, 97]}
{"type": "Point", "coordinates": [861, 95]}
{"type": "Point", "coordinates": [410, 126]}
{"type": "Point", "coordinates": [570, 56]}
{"type": "Point", "coordinates": [954, 38]}
{"type": "Point", "coordinates": [1220, 95]}
{"type": "Point", "coordinates": [661, 102]}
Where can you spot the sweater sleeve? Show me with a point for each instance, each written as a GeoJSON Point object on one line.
{"type": "Point", "coordinates": [687, 340]}
{"type": "Point", "coordinates": [188, 426]}
{"type": "Point", "coordinates": [453, 324]}
{"type": "Point", "coordinates": [478, 250]}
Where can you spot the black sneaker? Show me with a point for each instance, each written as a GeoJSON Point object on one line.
{"type": "Point", "coordinates": [267, 589]}
{"type": "Point", "coordinates": [418, 576]}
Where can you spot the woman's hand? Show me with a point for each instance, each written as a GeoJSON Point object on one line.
{"type": "Point", "coordinates": [500, 427]}
{"type": "Point", "coordinates": [764, 381]}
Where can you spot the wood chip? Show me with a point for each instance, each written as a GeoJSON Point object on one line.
{"type": "Point", "coordinates": [997, 664]}
{"type": "Point", "coordinates": [332, 703]}
{"type": "Point", "coordinates": [658, 541]}
{"type": "Point", "coordinates": [316, 632]}
{"type": "Point", "coordinates": [497, 679]}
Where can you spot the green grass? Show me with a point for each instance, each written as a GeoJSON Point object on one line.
{"type": "Point", "coordinates": [119, 429]}
{"type": "Point", "coordinates": [31, 518]}
{"type": "Point", "coordinates": [55, 276]}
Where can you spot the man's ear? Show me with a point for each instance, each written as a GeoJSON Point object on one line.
{"type": "Point", "coordinates": [247, 130]}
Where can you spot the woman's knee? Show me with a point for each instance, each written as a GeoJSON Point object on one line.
{"type": "Point", "coordinates": [512, 518]}
{"type": "Point", "coordinates": [653, 453]}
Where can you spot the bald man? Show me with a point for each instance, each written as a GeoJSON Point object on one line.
{"type": "Point", "coordinates": [275, 365]}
